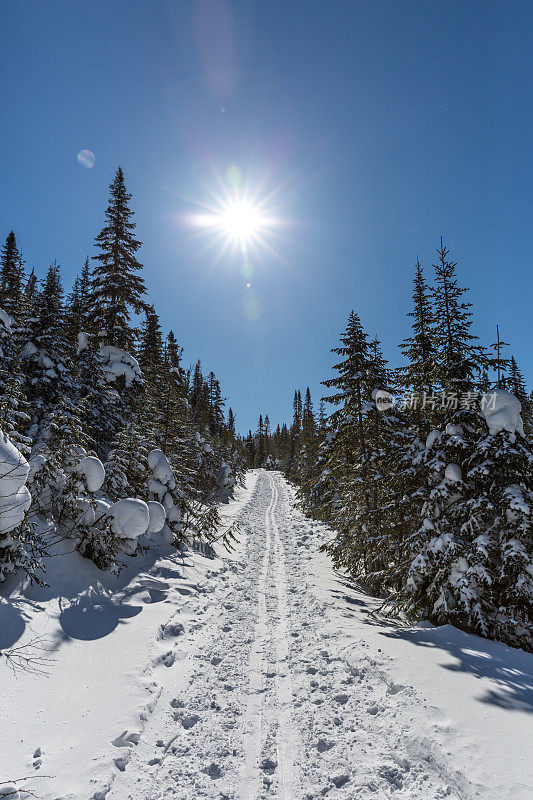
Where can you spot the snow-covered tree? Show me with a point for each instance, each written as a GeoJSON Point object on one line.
{"type": "Point", "coordinates": [471, 554]}
{"type": "Point", "coordinates": [116, 285]}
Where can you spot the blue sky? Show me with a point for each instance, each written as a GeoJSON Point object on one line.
{"type": "Point", "coordinates": [378, 125]}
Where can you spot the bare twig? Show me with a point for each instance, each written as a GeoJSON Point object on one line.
{"type": "Point", "coordinates": [10, 793]}
{"type": "Point", "coordinates": [27, 658]}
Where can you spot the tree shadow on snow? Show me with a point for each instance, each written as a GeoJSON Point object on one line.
{"type": "Point", "coordinates": [93, 616]}
{"type": "Point", "coordinates": [12, 623]}
{"type": "Point", "coordinates": [92, 602]}
{"type": "Point", "coordinates": [509, 668]}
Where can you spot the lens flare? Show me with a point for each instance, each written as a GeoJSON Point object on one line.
{"type": "Point", "coordinates": [251, 307]}
{"type": "Point", "coordinates": [86, 159]}
{"type": "Point", "coordinates": [247, 270]}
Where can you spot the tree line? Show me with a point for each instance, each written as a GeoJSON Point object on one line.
{"type": "Point", "coordinates": [424, 471]}
{"type": "Point", "coordinates": [91, 375]}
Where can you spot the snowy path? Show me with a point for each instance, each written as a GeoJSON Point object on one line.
{"type": "Point", "coordinates": [259, 676]}
{"type": "Point", "coordinates": [266, 703]}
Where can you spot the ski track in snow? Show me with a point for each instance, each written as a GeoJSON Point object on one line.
{"type": "Point", "coordinates": [260, 699]}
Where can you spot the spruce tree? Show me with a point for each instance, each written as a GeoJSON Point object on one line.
{"type": "Point", "coordinates": [419, 372]}
{"type": "Point", "coordinates": [116, 285]}
{"type": "Point", "coordinates": [459, 361]}
{"type": "Point", "coordinates": [11, 275]}
{"type": "Point", "coordinates": [78, 304]}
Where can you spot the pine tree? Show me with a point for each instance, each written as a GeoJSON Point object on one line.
{"type": "Point", "coordinates": [516, 385]}
{"type": "Point", "coordinates": [116, 284]}
{"type": "Point", "coordinates": [78, 304]}
{"type": "Point", "coordinates": [499, 363]}
{"type": "Point", "coordinates": [11, 275]}
{"type": "Point", "coordinates": [260, 453]}
{"type": "Point", "coordinates": [47, 354]}
{"type": "Point", "coordinates": [419, 373]}
{"type": "Point", "coordinates": [230, 425]}
{"type": "Point", "coordinates": [469, 557]}
{"type": "Point", "coordinates": [459, 361]}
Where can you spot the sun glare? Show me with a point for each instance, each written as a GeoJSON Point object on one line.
{"type": "Point", "coordinates": [239, 219]}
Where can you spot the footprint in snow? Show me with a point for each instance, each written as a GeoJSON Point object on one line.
{"type": "Point", "coordinates": [323, 745]}
{"type": "Point", "coordinates": [189, 721]}
{"type": "Point", "coordinates": [126, 739]}
{"type": "Point", "coordinates": [121, 762]}
{"type": "Point", "coordinates": [268, 765]}
{"type": "Point", "coordinates": [342, 699]}
{"type": "Point", "coordinates": [341, 780]}
{"type": "Point", "coordinates": [167, 659]}
{"type": "Point", "coordinates": [214, 771]}
{"type": "Point", "coordinates": [170, 630]}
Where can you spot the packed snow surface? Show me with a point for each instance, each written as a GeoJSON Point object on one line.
{"type": "Point", "coordinates": [254, 675]}
{"type": "Point", "coordinates": [502, 412]}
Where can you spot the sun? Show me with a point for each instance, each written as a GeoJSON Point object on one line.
{"type": "Point", "coordinates": [239, 219]}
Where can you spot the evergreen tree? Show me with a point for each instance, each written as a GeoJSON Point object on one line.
{"type": "Point", "coordinates": [469, 558]}
{"type": "Point", "coordinates": [459, 361]}
{"type": "Point", "coordinates": [78, 304]}
{"type": "Point", "coordinates": [419, 373]}
{"type": "Point", "coordinates": [11, 275]}
{"type": "Point", "coordinates": [116, 284]}
{"type": "Point", "coordinates": [499, 363]}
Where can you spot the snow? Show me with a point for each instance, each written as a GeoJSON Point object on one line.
{"type": "Point", "coordinates": [131, 518]}
{"type": "Point", "coordinates": [161, 469]}
{"type": "Point", "coordinates": [83, 342]}
{"type": "Point", "coordinates": [255, 674]}
{"type": "Point", "coordinates": [157, 515]}
{"type": "Point", "coordinates": [502, 412]}
{"type": "Point", "coordinates": [118, 363]}
{"type": "Point", "coordinates": [6, 322]}
{"type": "Point", "coordinates": [92, 510]}
{"type": "Point", "coordinates": [14, 468]}
{"type": "Point", "coordinates": [453, 473]}
{"type": "Point", "coordinates": [431, 439]}
{"type": "Point", "coordinates": [29, 350]}
{"type": "Point", "coordinates": [93, 471]}
{"type": "Point", "coordinates": [15, 498]}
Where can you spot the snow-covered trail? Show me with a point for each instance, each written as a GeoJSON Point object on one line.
{"type": "Point", "coordinates": [265, 700]}
{"type": "Point", "coordinates": [255, 675]}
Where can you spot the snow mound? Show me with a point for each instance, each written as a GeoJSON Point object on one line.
{"type": "Point", "coordinates": [431, 439]}
{"type": "Point", "coordinates": [14, 468]}
{"type": "Point", "coordinates": [161, 469]}
{"type": "Point", "coordinates": [5, 322]}
{"type": "Point", "coordinates": [157, 516]}
{"type": "Point", "coordinates": [118, 363]}
{"type": "Point", "coordinates": [131, 518]}
{"type": "Point", "coordinates": [453, 473]}
{"type": "Point", "coordinates": [93, 471]}
{"type": "Point", "coordinates": [92, 510]}
{"type": "Point", "coordinates": [15, 498]}
{"type": "Point", "coordinates": [83, 342]}
{"type": "Point", "coordinates": [502, 412]}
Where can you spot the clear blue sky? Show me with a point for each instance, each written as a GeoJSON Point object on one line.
{"type": "Point", "coordinates": [382, 125]}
